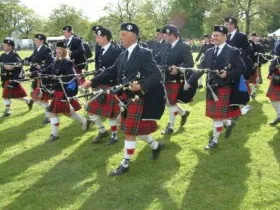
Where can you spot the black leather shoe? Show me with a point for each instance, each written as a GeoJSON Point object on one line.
{"type": "Point", "coordinates": [113, 140]}
{"type": "Point", "coordinates": [229, 129]}
{"type": "Point", "coordinates": [30, 105]}
{"type": "Point", "coordinates": [167, 130]}
{"type": "Point", "coordinates": [46, 121]}
{"type": "Point", "coordinates": [100, 136]}
{"type": "Point", "coordinates": [211, 145]}
{"type": "Point", "coordinates": [275, 122]}
{"type": "Point", "coordinates": [119, 171]}
{"type": "Point", "coordinates": [6, 113]}
{"type": "Point", "coordinates": [53, 138]}
{"type": "Point", "coordinates": [156, 152]}
{"type": "Point", "coordinates": [184, 118]}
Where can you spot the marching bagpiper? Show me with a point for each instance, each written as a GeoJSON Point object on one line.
{"type": "Point", "coordinates": [207, 44]}
{"type": "Point", "coordinates": [142, 113]}
{"type": "Point", "coordinates": [11, 72]}
{"type": "Point", "coordinates": [239, 40]}
{"type": "Point", "coordinates": [273, 92]}
{"type": "Point", "coordinates": [41, 58]}
{"type": "Point", "coordinates": [178, 55]}
{"type": "Point", "coordinates": [257, 60]}
{"type": "Point", "coordinates": [64, 87]}
{"type": "Point", "coordinates": [220, 85]}
{"type": "Point", "coordinates": [76, 50]}
{"type": "Point", "coordinates": [106, 105]}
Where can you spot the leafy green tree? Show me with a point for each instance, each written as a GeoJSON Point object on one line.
{"type": "Point", "coordinates": [67, 15]}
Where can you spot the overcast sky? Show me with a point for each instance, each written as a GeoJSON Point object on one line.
{"type": "Point", "coordinates": [93, 9]}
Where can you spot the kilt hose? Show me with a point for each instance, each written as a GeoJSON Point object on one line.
{"type": "Point", "coordinates": [221, 108]}
{"type": "Point", "coordinates": [173, 90]}
{"type": "Point", "coordinates": [253, 77]}
{"type": "Point", "coordinates": [248, 87]}
{"type": "Point", "coordinates": [273, 92]}
{"type": "Point", "coordinates": [132, 124]}
{"type": "Point", "coordinates": [39, 94]}
{"type": "Point", "coordinates": [109, 107]}
{"type": "Point", "coordinates": [16, 92]}
{"type": "Point", "coordinates": [59, 104]}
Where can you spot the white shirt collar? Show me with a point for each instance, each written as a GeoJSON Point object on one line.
{"type": "Point", "coordinates": [174, 43]}
{"type": "Point", "coordinates": [130, 49]}
{"type": "Point", "coordinates": [106, 47]}
{"type": "Point", "coordinates": [38, 49]}
{"type": "Point", "coordinates": [220, 47]}
{"type": "Point", "coordinates": [233, 33]}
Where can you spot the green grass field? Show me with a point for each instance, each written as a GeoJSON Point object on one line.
{"type": "Point", "coordinates": [243, 173]}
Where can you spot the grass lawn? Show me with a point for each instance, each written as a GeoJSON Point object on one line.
{"type": "Point", "coordinates": [243, 173]}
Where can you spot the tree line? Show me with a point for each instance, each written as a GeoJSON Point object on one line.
{"type": "Point", "coordinates": [193, 17]}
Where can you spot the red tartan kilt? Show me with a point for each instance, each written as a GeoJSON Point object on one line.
{"type": "Point", "coordinates": [79, 71]}
{"type": "Point", "coordinates": [273, 92]}
{"type": "Point", "coordinates": [133, 124]}
{"type": "Point", "coordinates": [38, 95]}
{"type": "Point", "coordinates": [253, 78]}
{"type": "Point", "coordinates": [17, 92]}
{"type": "Point", "coordinates": [172, 90]}
{"type": "Point", "coordinates": [109, 108]}
{"type": "Point", "coordinates": [221, 108]}
{"type": "Point", "coordinates": [60, 105]}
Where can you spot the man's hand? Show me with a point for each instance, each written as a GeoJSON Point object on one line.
{"type": "Point", "coordinates": [9, 67]}
{"type": "Point", "coordinates": [135, 87]}
{"type": "Point", "coordinates": [222, 74]}
{"type": "Point", "coordinates": [38, 66]}
{"type": "Point", "coordinates": [174, 70]}
{"type": "Point", "coordinates": [69, 53]}
{"type": "Point", "coordinates": [86, 85]}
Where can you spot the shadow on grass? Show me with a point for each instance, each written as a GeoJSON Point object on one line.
{"type": "Point", "coordinates": [275, 144]}
{"type": "Point", "coordinates": [81, 181]}
{"type": "Point", "coordinates": [43, 152]}
{"type": "Point", "coordinates": [142, 186]}
{"type": "Point", "coordinates": [72, 180]}
{"type": "Point", "coordinates": [219, 181]}
{"type": "Point", "coordinates": [18, 133]}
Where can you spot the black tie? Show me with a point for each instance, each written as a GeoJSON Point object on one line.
{"type": "Point", "coordinates": [101, 51]}
{"type": "Point", "coordinates": [125, 58]}
{"type": "Point", "coordinates": [216, 53]}
{"type": "Point", "coordinates": [228, 38]}
{"type": "Point", "coordinates": [167, 54]}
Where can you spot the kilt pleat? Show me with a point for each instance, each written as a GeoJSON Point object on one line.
{"type": "Point", "coordinates": [59, 104]}
{"type": "Point", "coordinates": [221, 108]}
{"type": "Point", "coordinates": [108, 108]}
{"type": "Point", "coordinates": [16, 92]}
{"type": "Point", "coordinates": [253, 78]}
{"type": "Point", "coordinates": [273, 92]}
{"type": "Point", "coordinates": [40, 95]}
{"type": "Point", "coordinates": [173, 90]}
{"type": "Point", "coordinates": [133, 123]}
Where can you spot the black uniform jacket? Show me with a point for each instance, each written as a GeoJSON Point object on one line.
{"type": "Point", "coordinates": [140, 62]}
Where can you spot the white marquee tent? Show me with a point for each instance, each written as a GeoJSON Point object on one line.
{"type": "Point", "coordinates": [277, 33]}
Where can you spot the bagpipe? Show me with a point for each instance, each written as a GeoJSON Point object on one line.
{"type": "Point", "coordinates": [117, 91]}
{"type": "Point", "coordinates": [267, 57]}
{"type": "Point", "coordinates": [87, 61]}
{"type": "Point", "coordinates": [239, 95]}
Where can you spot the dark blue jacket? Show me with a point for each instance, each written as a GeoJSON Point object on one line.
{"type": "Point", "coordinates": [140, 61]}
